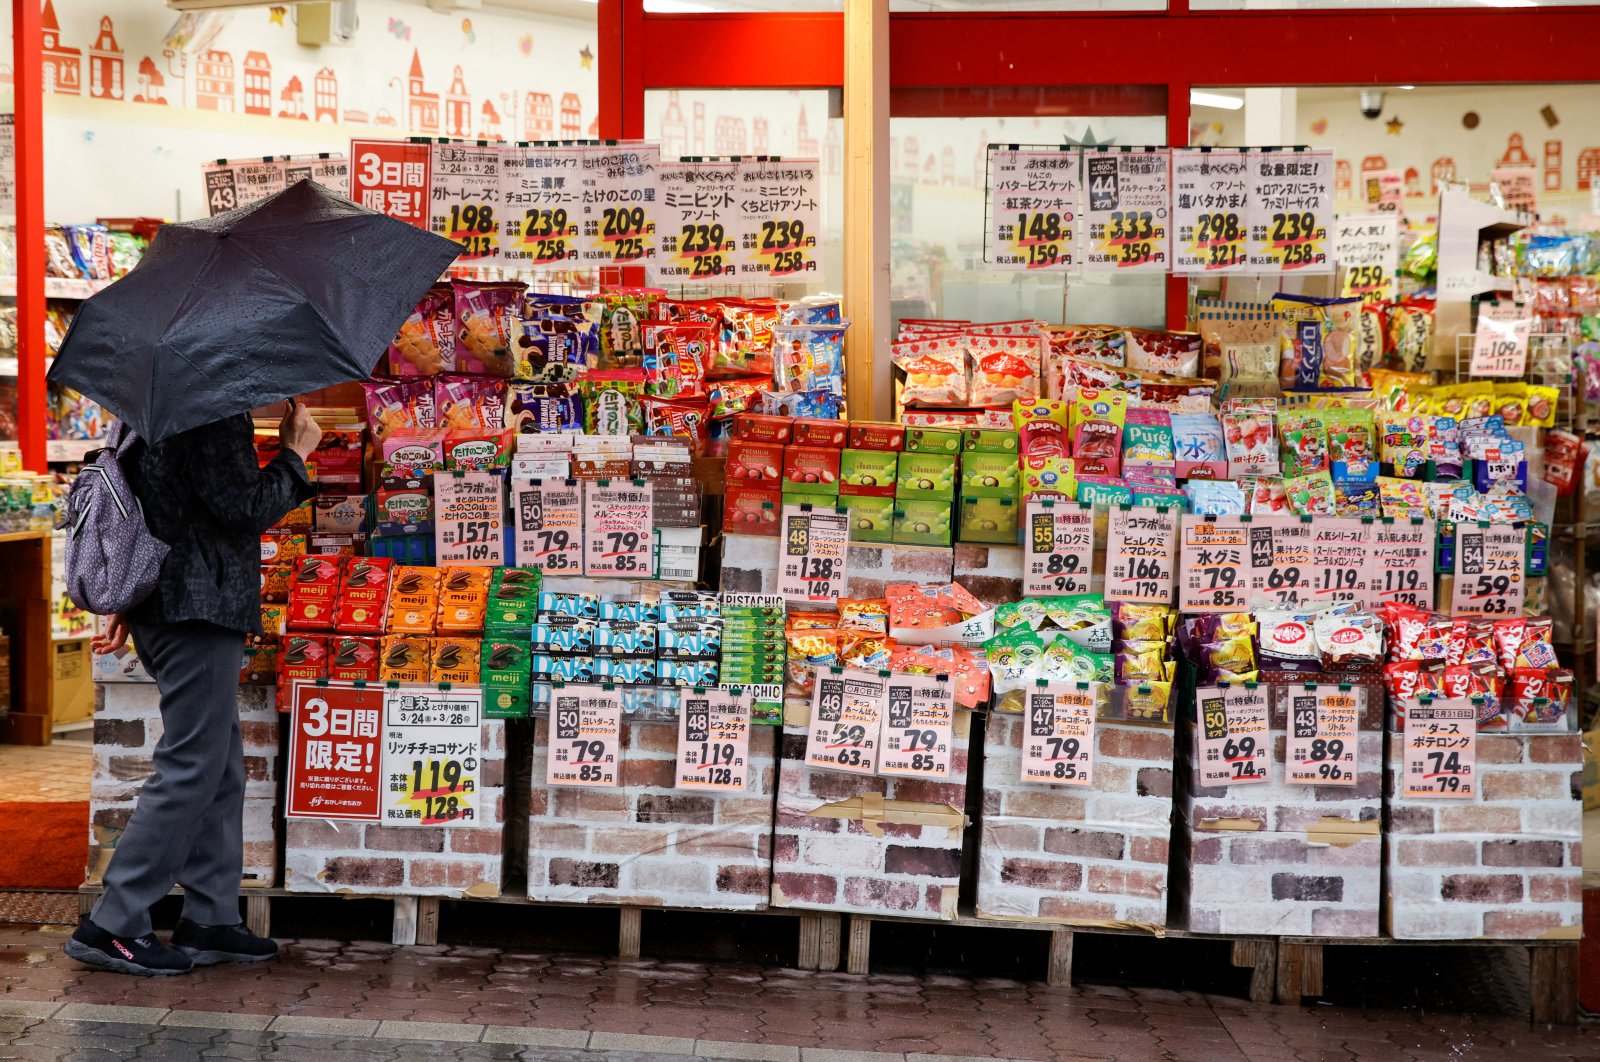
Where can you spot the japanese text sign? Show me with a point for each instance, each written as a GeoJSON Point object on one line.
{"type": "Point", "coordinates": [780, 218]}
{"type": "Point", "coordinates": [1212, 564]}
{"type": "Point", "coordinates": [714, 740]}
{"type": "Point", "coordinates": [392, 177]}
{"type": "Point", "coordinates": [1234, 746]}
{"type": "Point", "coordinates": [1059, 556]}
{"type": "Point", "coordinates": [700, 223]}
{"type": "Point", "coordinates": [1383, 190]}
{"type": "Point", "coordinates": [1033, 209]}
{"type": "Point", "coordinates": [541, 205]}
{"type": "Point", "coordinates": [1489, 570]}
{"type": "Point", "coordinates": [811, 566]}
{"type": "Point", "coordinates": [432, 753]}
{"type": "Point", "coordinates": [1500, 346]}
{"type": "Point", "coordinates": [468, 525]}
{"type": "Point", "coordinates": [548, 518]}
{"type": "Point", "coordinates": [619, 204]}
{"type": "Point", "coordinates": [1058, 736]}
{"type": "Point", "coordinates": [1129, 211]}
{"type": "Point", "coordinates": [1400, 563]}
{"type": "Point", "coordinates": [335, 768]}
{"type": "Point", "coordinates": [1367, 248]}
{"type": "Point", "coordinates": [1441, 742]}
{"type": "Point", "coordinates": [1291, 211]}
{"type": "Point", "coordinates": [618, 540]}
{"type": "Point", "coordinates": [917, 722]}
{"type": "Point", "coordinates": [846, 720]}
{"type": "Point", "coordinates": [1321, 747]}
{"type": "Point", "coordinates": [1141, 549]}
{"type": "Point", "coordinates": [1210, 203]}
{"type": "Point", "coordinates": [464, 198]}
{"type": "Point", "coordinates": [585, 737]}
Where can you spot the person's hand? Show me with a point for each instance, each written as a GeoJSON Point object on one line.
{"type": "Point", "coordinates": [113, 638]}
{"type": "Point", "coordinates": [299, 431]}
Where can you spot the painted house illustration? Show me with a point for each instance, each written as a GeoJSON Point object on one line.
{"type": "Point", "coordinates": [758, 135]}
{"type": "Point", "coordinates": [674, 131]}
{"type": "Point", "coordinates": [805, 145]}
{"type": "Point", "coordinates": [63, 66]}
{"type": "Point", "coordinates": [257, 83]}
{"type": "Point", "coordinates": [458, 106]}
{"type": "Point", "coordinates": [151, 82]}
{"type": "Point", "coordinates": [294, 100]}
{"type": "Point", "coordinates": [422, 106]}
{"type": "Point", "coordinates": [1588, 168]}
{"type": "Point", "coordinates": [325, 95]}
{"type": "Point", "coordinates": [490, 129]}
{"type": "Point", "coordinates": [213, 81]}
{"type": "Point", "coordinates": [730, 135]}
{"type": "Point", "coordinates": [105, 64]}
{"type": "Point", "coordinates": [571, 116]}
{"type": "Point", "coordinates": [538, 116]}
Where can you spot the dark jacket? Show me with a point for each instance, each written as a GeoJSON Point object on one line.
{"type": "Point", "coordinates": [205, 496]}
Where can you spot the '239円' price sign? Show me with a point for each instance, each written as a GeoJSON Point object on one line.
{"type": "Point", "coordinates": [541, 206]}
{"type": "Point", "coordinates": [780, 217]}
{"type": "Point", "coordinates": [468, 528]}
{"type": "Point", "coordinates": [811, 569]}
{"type": "Point", "coordinates": [585, 735]}
{"type": "Point", "coordinates": [1060, 551]}
{"type": "Point", "coordinates": [549, 526]}
{"type": "Point", "coordinates": [1058, 734]}
{"type": "Point", "coordinates": [1291, 211]}
{"type": "Point", "coordinates": [1441, 740]}
{"type": "Point", "coordinates": [1321, 747]}
{"type": "Point", "coordinates": [1129, 214]}
{"type": "Point", "coordinates": [846, 718]}
{"type": "Point", "coordinates": [1210, 211]}
{"type": "Point", "coordinates": [714, 740]}
{"type": "Point", "coordinates": [699, 222]}
{"type": "Point", "coordinates": [465, 198]}
{"type": "Point", "coordinates": [917, 727]}
{"type": "Point", "coordinates": [1033, 209]}
{"type": "Point", "coordinates": [1489, 570]}
{"type": "Point", "coordinates": [618, 540]}
{"type": "Point", "coordinates": [432, 753]}
{"type": "Point", "coordinates": [1141, 548]}
{"type": "Point", "coordinates": [1234, 744]}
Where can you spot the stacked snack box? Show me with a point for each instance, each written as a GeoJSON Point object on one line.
{"type": "Point", "coordinates": [990, 482]}
{"type": "Point", "coordinates": [507, 662]}
{"type": "Point", "coordinates": [754, 651]}
{"type": "Point", "coordinates": [925, 487]}
{"type": "Point", "coordinates": [755, 474]}
{"type": "Point", "coordinates": [868, 471]}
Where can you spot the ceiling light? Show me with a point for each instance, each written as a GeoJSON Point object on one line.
{"type": "Point", "coordinates": [1214, 99]}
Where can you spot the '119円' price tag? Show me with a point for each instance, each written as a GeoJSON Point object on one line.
{"type": "Point", "coordinates": [1059, 557]}
{"type": "Point", "coordinates": [432, 753]}
{"type": "Point", "coordinates": [714, 741]}
{"type": "Point", "coordinates": [585, 737]}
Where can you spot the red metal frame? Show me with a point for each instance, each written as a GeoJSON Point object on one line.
{"type": "Point", "coordinates": [27, 62]}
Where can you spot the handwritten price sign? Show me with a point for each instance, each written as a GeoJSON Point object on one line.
{"type": "Point", "coordinates": [1060, 551]}
{"type": "Point", "coordinates": [468, 527]}
{"type": "Point", "coordinates": [1058, 735]}
{"type": "Point", "coordinates": [1141, 549]}
{"type": "Point", "coordinates": [1213, 575]}
{"type": "Point", "coordinates": [541, 205]}
{"type": "Point", "coordinates": [917, 727]}
{"type": "Point", "coordinates": [780, 217]}
{"type": "Point", "coordinates": [432, 752]}
{"type": "Point", "coordinates": [699, 222]}
{"type": "Point", "coordinates": [1321, 749]}
{"type": "Point", "coordinates": [619, 221]}
{"type": "Point", "coordinates": [465, 200]}
{"type": "Point", "coordinates": [1291, 211]}
{"type": "Point", "coordinates": [1033, 209]}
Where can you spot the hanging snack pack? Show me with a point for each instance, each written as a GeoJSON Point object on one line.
{"type": "Point", "coordinates": [613, 401]}
{"type": "Point", "coordinates": [809, 358]}
{"type": "Point", "coordinates": [1005, 368]}
{"type": "Point", "coordinates": [488, 321]}
{"type": "Point", "coordinates": [426, 342]}
{"type": "Point", "coordinates": [676, 357]}
{"type": "Point", "coordinates": [1317, 341]}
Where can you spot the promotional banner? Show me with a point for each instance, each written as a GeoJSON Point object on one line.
{"type": "Point", "coordinates": [1129, 210]}
{"type": "Point", "coordinates": [393, 177]}
{"type": "Point", "coordinates": [541, 205]}
{"type": "Point", "coordinates": [700, 230]}
{"type": "Point", "coordinates": [432, 752]}
{"type": "Point", "coordinates": [1033, 209]}
{"type": "Point", "coordinates": [1290, 211]}
{"type": "Point", "coordinates": [1210, 200]}
{"type": "Point", "coordinates": [780, 217]}
{"type": "Point", "coordinates": [335, 760]}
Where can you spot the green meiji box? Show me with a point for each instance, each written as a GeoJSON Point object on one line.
{"type": "Point", "coordinates": [920, 522]}
{"type": "Point", "coordinates": [871, 519]}
{"type": "Point", "coordinates": [925, 475]}
{"type": "Point", "coordinates": [869, 472]}
{"type": "Point", "coordinates": [993, 520]}
{"type": "Point", "coordinates": [505, 669]}
{"type": "Point", "coordinates": [989, 475]}
{"type": "Point", "coordinates": [989, 441]}
{"type": "Point", "coordinates": [933, 440]}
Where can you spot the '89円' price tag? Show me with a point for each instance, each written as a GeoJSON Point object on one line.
{"type": "Point", "coordinates": [1059, 558]}
{"type": "Point", "coordinates": [618, 536]}
{"type": "Point", "coordinates": [917, 727]}
{"type": "Point", "coordinates": [816, 542]}
{"type": "Point", "coordinates": [1213, 564]}
{"type": "Point", "coordinates": [585, 737]}
{"type": "Point", "coordinates": [1141, 548]}
{"type": "Point", "coordinates": [549, 526]}
{"type": "Point", "coordinates": [714, 740]}
{"type": "Point", "coordinates": [846, 720]}
{"type": "Point", "coordinates": [432, 753]}
{"type": "Point", "coordinates": [1441, 743]}
{"type": "Point", "coordinates": [1234, 744]}
{"type": "Point", "coordinates": [1058, 734]}
{"type": "Point", "coordinates": [1489, 570]}
{"type": "Point", "coordinates": [1321, 748]}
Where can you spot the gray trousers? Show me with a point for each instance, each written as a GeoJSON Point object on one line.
{"type": "Point", "coordinates": [188, 827]}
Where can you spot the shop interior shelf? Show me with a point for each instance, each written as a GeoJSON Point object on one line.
{"type": "Point", "coordinates": [58, 287]}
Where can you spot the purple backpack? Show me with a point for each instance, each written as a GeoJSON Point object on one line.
{"type": "Point", "coordinates": [113, 560]}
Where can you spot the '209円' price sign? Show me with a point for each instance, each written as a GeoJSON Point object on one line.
{"type": "Point", "coordinates": [1489, 570]}
{"type": "Point", "coordinates": [917, 727]}
{"type": "Point", "coordinates": [585, 737]}
{"type": "Point", "coordinates": [780, 217]}
{"type": "Point", "coordinates": [468, 525]}
{"type": "Point", "coordinates": [714, 741]}
{"type": "Point", "coordinates": [1321, 749]}
{"type": "Point", "coordinates": [1213, 576]}
{"type": "Point", "coordinates": [1441, 741]}
{"type": "Point", "coordinates": [619, 204]}
{"type": "Point", "coordinates": [1033, 209]}
{"type": "Point", "coordinates": [618, 541]}
{"type": "Point", "coordinates": [1234, 744]}
{"type": "Point", "coordinates": [432, 753]}
{"type": "Point", "coordinates": [549, 526]}
{"type": "Point", "coordinates": [1210, 211]}
{"type": "Point", "coordinates": [1058, 734]}
{"type": "Point", "coordinates": [465, 199]}
{"type": "Point", "coordinates": [1059, 557]}
{"type": "Point", "coordinates": [1291, 211]}
{"type": "Point", "coordinates": [699, 223]}
{"type": "Point", "coordinates": [811, 568]}
{"type": "Point", "coordinates": [846, 720]}
{"type": "Point", "coordinates": [1141, 549]}
{"type": "Point", "coordinates": [1129, 215]}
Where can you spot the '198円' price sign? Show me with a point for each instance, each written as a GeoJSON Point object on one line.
{"type": "Point", "coordinates": [1210, 211]}
{"type": "Point", "coordinates": [1141, 548]}
{"type": "Point", "coordinates": [585, 737]}
{"type": "Point", "coordinates": [618, 540]}
{"type": "Point", "coordinates": [1059, 557]}
{"type": "Point", "coordinates": [466, 199]}
{"type": "Point", "coordinates": [1321, 749]}
{"type": "Point", "coordinates": [846, 718]}
{"type": "Point", "coordinates": [1213, 575]}
{"type": "Point", "coordinates": [1234, 745]}
{"type": "Point", "coordinates": [1489, 570]}
{"type": "Point", "coordinates": [1058, 735]}
{"type": "Point", "coordinates": [432, 753]}
{"type": "Point", "coordinates": [1441, 742]}
{"type": "Point", "coordinates": [619, 204]}
{"type": "Point", "coordinates": [1129, 214]}
{"type": "Point", "coordinates": [467, 525]}
{"type": "Point", "coordinates": [549, 526]}
{"type": "Point", "coordinates": [1033, 209]}
{"type": "Point", "coordinates": [700, 227]}
{"type": "Point", "coordinates": [541, 208]}
{"type": "Point", "coordinates": [780, 217]}
{"type": "Point", "coordinates": [917, 727]}
{"type": "Point", "coordinates": [714, 740]}
{"type": "Point", "coordinates": [811, 569]}
{"type": "Point", "coordinates": [1291, 211]}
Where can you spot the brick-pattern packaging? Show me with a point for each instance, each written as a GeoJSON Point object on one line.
{"type": "Point", "coordinates": [1505, 865]}
{"type": "Point", "coordinates": [750, 566]}
{"type": "Point", "coordinates": [126, 729]}
{"type": "Point", "coordinates": [366, 858]}
{"type": "Point", "coordinates": [647, 843]}
{"type": "Point", "coordinates": [1061, 853]}
{"type": "Point", "coordinates": [887, 846]}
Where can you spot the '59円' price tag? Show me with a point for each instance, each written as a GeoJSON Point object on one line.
{"type": "Point", "coordinates": [1059, 556]}
{"type": "Point", "coordinates": [714, 740]}
{"type": "Point", "coordinates": [1058, 734]}
{"type": "Point", "coordinates": [1321, 747]}
{"type": "Point", "coordinates": [1489, 570]}
{"type": "Point", "coordinates": [846, 720]}
{"type": "Point", "coordinates": [585, 737]}
{"type": "Point", "coordinates": [917, 727]}
{"type": "Point", "coordinates": [811, 568]}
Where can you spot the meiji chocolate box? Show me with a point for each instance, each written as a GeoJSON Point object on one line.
{"type": "Point", "coordinates": [923, 475]}
{"type": "Point", "coordinates": [922, 522]}
{"type": "Point", "coordinates": [989, 520]}
{"type": "Point", "coordinates": [754, 463]}
{"type": "Point", "coordinates": [811, 470]}
{"type": "Point", "coordinates": [353, 658]}
{"type": "Point", "coordinates": [813, 431]}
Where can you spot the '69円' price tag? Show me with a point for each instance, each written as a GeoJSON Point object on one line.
{"type": "Point", "coordinates": [714, 740]}
{"type": "Point", "coordinates": [618, 536]}
{"type": "Point", "coordinates": [432, 753]}
{"type": "Point", "coordinates": [1058, 734]}
{"type": "Point", "coordinates": [917, 727]}
{"type": "Point", "coordinates": [1059, 557]}
{"type": "Point", "coordinates": [816, 542]}
{"type": "Point", "coordinates": [1441, 743]}
{"type": "Point", "coordinates": [1234, 743]}
{"type": "Point", "coordinates": [1321, 747]}
{"type": "Point", "coordinates": [846, 720]}
{"type": "Point", "coordinates": [585, 737]}
{"type": "Point", "coordinates": [1141, 548]}
{"type": "Point", "coordinates": [1489, 570]}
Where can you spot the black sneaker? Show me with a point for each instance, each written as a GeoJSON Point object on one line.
{"type": "Point", "coordinates": [141, 956]}
{"type": "Point", "coordinates": [209, 945]}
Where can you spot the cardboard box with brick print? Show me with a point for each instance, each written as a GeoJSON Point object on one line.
{"type": "Point", "coordinates": [367, 858]}
{"type": "Point", "coordinates": [1505, 865]}
{"type": "Point", "coordinates": [646, 843]}
{"type": "Point", "coordinates": [867, 845]}
{"type": "Point", "coordinates": [1060, 853]}
{"type": "Point", "coordinates": [126, 729]}
{"type": "Point", "coordinates": [750, 566]}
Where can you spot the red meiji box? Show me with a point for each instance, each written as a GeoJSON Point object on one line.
{"type": "Point", "coordinates": [759, 427]}
{"type": "Point", "coordinates": [867, 435]}
{"type": "Point", "coordinates": [337, 458]}
{"type": "Point", "coordinates": [363, 592]}
{"type": "Point", "coordinates": [751, 510]}
{"type": "Point", "coordinates": [814, 431]}
{"type": "Point", "coordinates": [304, 656]}
{"type": "Point", "coordinates": [352, 658]}
{"type": "Point", "coordinates": [754, 463]}
{"type": "Point", "coordinates": [810, 465]}
{"type": "Point", "coordinates": [313, 591]}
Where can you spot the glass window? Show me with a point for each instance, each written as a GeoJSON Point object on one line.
{"type": "Point", "coordinates": [998, 7]}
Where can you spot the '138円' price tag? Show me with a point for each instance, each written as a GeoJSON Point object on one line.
{"type": "Point", "coordinates": [846, 719]}
{"type": "Point", "coordinates": [1321, 748]}
{"type": "Point", "coordinates": [585, 737]}
{"type": "Point", "coordinates": [1441, 741]}
{"type": "Point", "coordinates": [917, 727]}
{"type": "Point", "coordinates": [1234, 744]}
{"type": "Point", "coordinates": [811, 569]}
{"type": "Point", "coordinates": [1058, 734]}
{"type": "Point", "coordinates": [714, 740]}
{"type": "Point", "coordinates": [1060, 553]}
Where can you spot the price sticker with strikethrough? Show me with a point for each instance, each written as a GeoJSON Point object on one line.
{"type": "Point", "coordinates": [1059, 556]}
{"type": "Point", "coordinates": [1321, 747]}
{"type": "Point", "coordinates": [714, 740]}
{"type": "Point", "coordinates": [917, 725]}
{"type": "Point", "coordinates": [618, 540]}
{"type": "Point", "coordinates": [585, 737]}
{"type": "Point", "coordinates": [549, 526]}
{"type": "Point", "coordinates": [1058, 734]}
{"type": "Point", "coordinates": [1441, 742]}
{"type": "Point", "coordinates": [1234, 745]}
{"type": "Point", "coordinates": [846, 721]}
{"type": "Point", "coordinates": [811, 568]}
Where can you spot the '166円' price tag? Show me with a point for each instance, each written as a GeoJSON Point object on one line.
{"type": "Point", "coordinates": [917, 727]}
{"type": "Point", "coordinates": [1141, 546]}
{"type": "Point", "coordinates": [585, 737]}
{"type": "Point", "coordinates": [714, 740]}
{"type": "Point", "coordinates": [811, 568]}
{"type": "Point", "coordinates": [1321, 749]}
{"type": "Point", "coordinates": [1058, 734]}
{"type": "Point", "coordinates": [1441, 743]}
{"type": "Point", "coordinates": [1234, 746]}
{"type": "Point", "coordinates": [549, 526]}
{"type": "Point", "coordinates": [1489, 570]}
{"type": "Point", "coordinates": [432, 753]}
{"type": "Point", "coordinates": [1059, 557]}
{"type": "Point", "coordinates": [846, 718]}
{"type": "Point", "coordinates": [618, 540]}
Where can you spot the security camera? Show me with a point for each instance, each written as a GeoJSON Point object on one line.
{"type": "Point", "coordinates": [1371, 103]}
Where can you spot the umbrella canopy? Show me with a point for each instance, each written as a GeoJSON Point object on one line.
{"type": "Point", "coordinates": [300, 291]}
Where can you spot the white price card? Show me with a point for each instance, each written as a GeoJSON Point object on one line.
{"type": "Point", "coordinates": [699, 221]}
{"type": "Point", "coordinates": [846, 721]}
{"type": "Point", "coordinates": [1441, 745]}
{"type": "Point", "coordinates": [780, 217]}
{"type": "Point", "coordinates": [1128, 217]}
{"type": "Point", "coordinates": [239, 183]}
{"type": "Point", "coordinates": [1367, 249]}
{"type": "Point", "coordinates": [1212, 564]}
{"type": "Point", "coordinates": [1141, 551]}
{"type": "Point", "coordinates": [1210, 201]}
{"type": "Point", "coordinates": [330, 170]}
{"type": "Point", "coordinates": [1059, 556]}
{"type": "Point", "coordinates": [464, 201]}
{"type": "Point", "coordinates": [585, 737]}
{"type": "Point", "coordinates": [1033, 209]}
{"type": "Point", "coordinates": [548, 518]}
{"type": "Point", "coordinates": [1291, 211]}
{"type": "Point", "coordinates": [811, 567]}
{"type": "Point", "coordinates": [714, 740]}
{"type": "Point", "coordinates": [468, 526]}
{"type": "Point", "coordinates": [1383, 190]}
{"type": "Point", "coordinates": [541, 206]}
{"type": "Point", "coordinates": [1500, 345]}
{"type": "Point", "coordinates": [1489, 570]}
{"type": "Point", "coordinates": [917, 722]}
{"type": "Point", "coordinates": [1338, 548]}
{"type": "Point", "coordinates": [1400, 562]}
{"type": "Point", "coordinates": [618, 532]}
{"type": "Point", "coordinates": [1234, 747]}
{"type": "Point", "coordinates": [432, 753]}
{"type": "Point", "coordinates": [619, 201]}
{"type": "Point", "coordinates": [1321, 747]}
{"type": "Point", "coordinates": [1058, 734]}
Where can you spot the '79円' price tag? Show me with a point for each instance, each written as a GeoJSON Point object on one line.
{"type": "Point", "coordinates": [918, 727]}
{"type": "Point", "coordinates": [549, 526]}
{"type": "Point", "coordinates": [618, 537]}
{"type": "Point", "coordinates": [816, 542]}
{"type": "Point", "coordinates": [1213, 556]}
{"type": "Point", "coordinates": [1058, 734]}
{"type": "Point", "coordinates": [714, 740]}
{"type": "Point", "coordinates": [1321, 747]}
{"type": "Point", "coordinates": [846, 720]}
{"type": "Point", "coordinates": [1441, 741]}
{"type": "Point", "coordinates": [1060, 552]}
{"type": "Point", "coordinates": [1234, 744]}
{"type": "Point", "coordinates": [585, 736]}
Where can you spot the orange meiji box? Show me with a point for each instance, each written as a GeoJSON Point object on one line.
{"type": "Point", "coordinates": [455, 660]}
{"type": "Point", "coordinates": [413, 600]}
{"type": "Point", "coordinates": [406, 658]}
{"type": "Point", "coordinates": [463, 600]}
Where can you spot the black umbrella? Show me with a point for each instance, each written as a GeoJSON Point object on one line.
{"type": "Point", "coordinates": [300, 291]}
